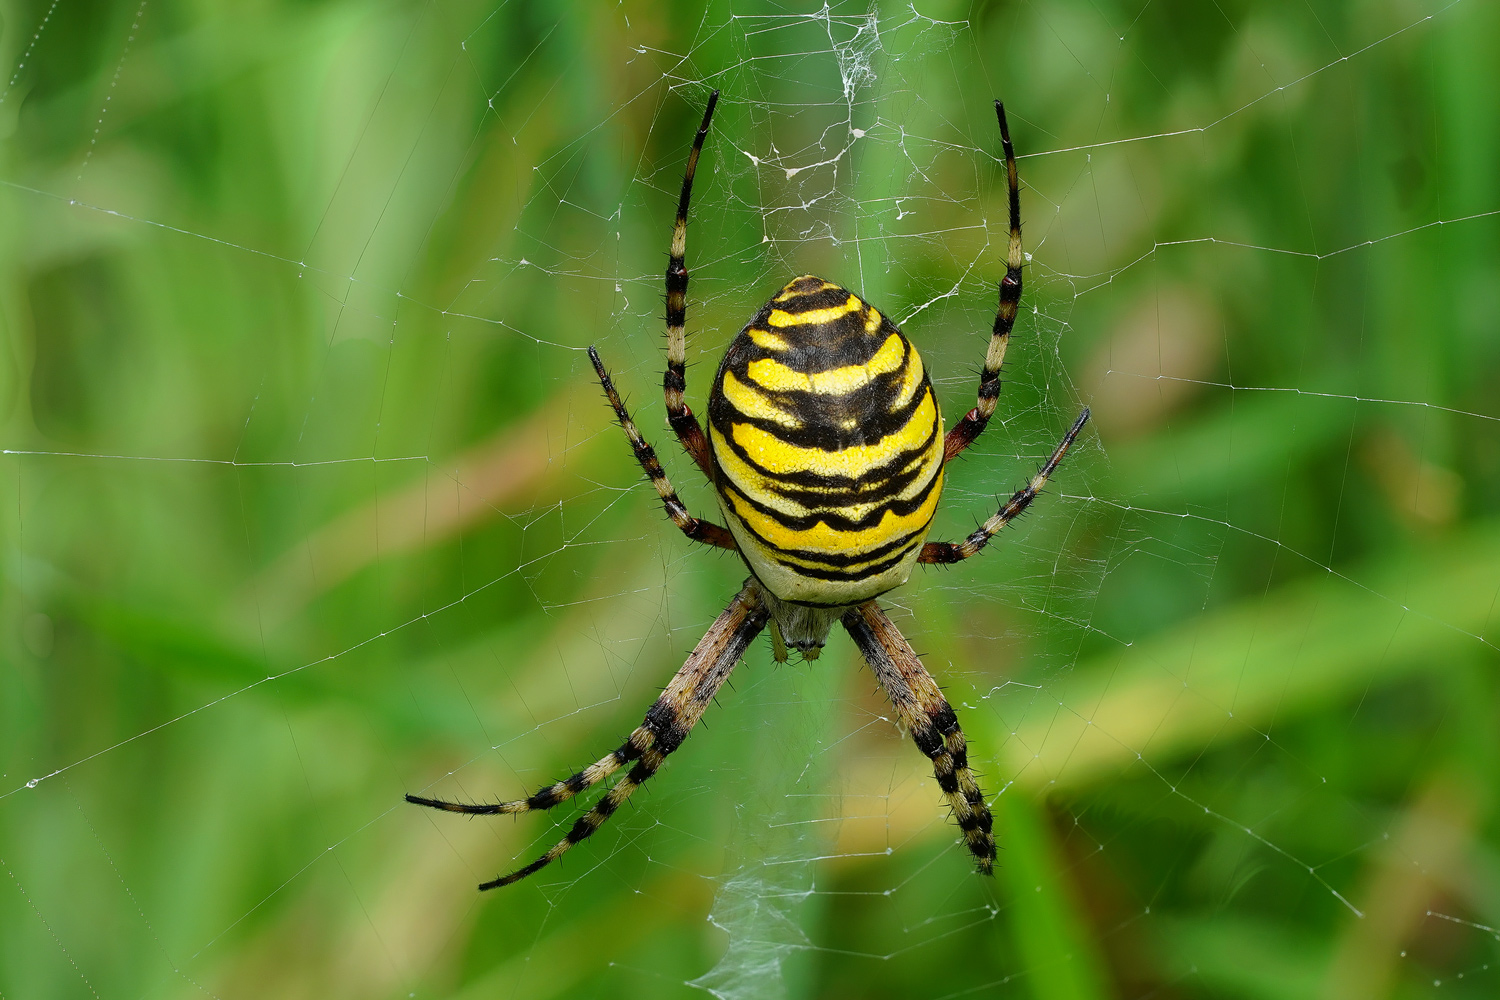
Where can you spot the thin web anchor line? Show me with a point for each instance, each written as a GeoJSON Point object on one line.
{"type": "Point", "coordinates": [1198, 129]}
{"type": "Point", "coordinates": [1110, 276]}
{"type": "Point", "coordinates": [1310, 392]}
{"type": "Point", "coordinates": [1221, 817]}
{"type": "Point", "coordinates": [384, 633]}
{"type": "Point", "coordinates": [234, 462]}
{"type": "Point", "coordinates": [301, 265]}
{"type": "Point", "coordinates": [36, 36]}
{"type": "Point", "coordinates": [1188, 515]}
{"type": "Point", "coordinates": [1493, 931]}
{"type": "Point", "coordinates": [1333, 253]}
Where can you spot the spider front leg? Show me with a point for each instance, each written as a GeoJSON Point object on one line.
{"type": "Point", "coordinates": [674, 382]}
{"type": "Point", "coordinates": [929, 718]}
{"type": "Point", "coordinates": [699, 531]}
{"type": "Point", "coordinates": [668, 722]}
{"type": "Point", "coordinates": [973, 423]}
{"type": "Point", "coordinates": [949, 552]}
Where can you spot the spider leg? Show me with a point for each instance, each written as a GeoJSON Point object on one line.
{"type": "Point", "coordinates": [699, 531]}
{"type": "Point", "coordinates": [973, 423]}
{"type": "Point", "coordinates": [669, 721]}
{"type": "Point", "coordinates": [952, 552]}
{"type": "Point", "coordinates": [674, 382]}
{"type": "Point", "coordinates": [929, 718]}
{"type": "Point", "coordinates": [545, 798]}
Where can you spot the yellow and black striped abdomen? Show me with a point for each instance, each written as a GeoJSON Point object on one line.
{"type": "Point", "coordinates": [827, 443]}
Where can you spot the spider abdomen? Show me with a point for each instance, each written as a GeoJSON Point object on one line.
{"type": "Point", "coordinates": [827, 446]}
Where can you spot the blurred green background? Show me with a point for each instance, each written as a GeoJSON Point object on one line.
{"type": "Point", "coordinates": [308, 498]}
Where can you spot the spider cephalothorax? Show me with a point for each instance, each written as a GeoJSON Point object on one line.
{"type": "Point", "coordinates": [826, 447]}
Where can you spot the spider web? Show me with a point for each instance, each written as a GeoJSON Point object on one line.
{"type": "Point", "coordinates": [310, 499]}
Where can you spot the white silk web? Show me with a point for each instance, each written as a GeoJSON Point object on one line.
{"type": "Point", "coordinates": [310, 499]}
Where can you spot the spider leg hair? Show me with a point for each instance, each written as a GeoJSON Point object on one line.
{"type": "Point", "coordinates": [699, 531]}
{"type": "Point", "coordinates": [951, 552]}
{"type": "Point", "coordinates": [674, 381]}
{"type": "Point", "coordinates": [669, 721]}
{"type": "Point", "coordinates": [973, 423]}
{"type": "Point", "coordinates": [930, 720]}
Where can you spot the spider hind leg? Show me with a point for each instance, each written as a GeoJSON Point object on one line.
{"type": "Point", "coordinates": [667, 723]}
{"type": "Point", "coordinates": [545, 798]}
{"type": "Point", "coordinates": [929, 718]}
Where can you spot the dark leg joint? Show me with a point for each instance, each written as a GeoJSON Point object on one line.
{"type": "Point", "coordinates": [940, 553]}
{"type": "Point", "coordinates": [663, 720]}
{"type": "Point", "coordinates": [589, 821]}
{"type": "Point", "coordinates": [641, 773]}
{"type": "Point", "coordinates": [945, 719]}
{"type": "Point", "coordinates": [1010, 285]}
{"type": "Point", "coordinates": [548, 797]}
{"type": "Point", "coordinates": [973, 821]}
{"type": "Point", "coordinates": [646, 455]}
{"type": "Point", "coordinates": [928, 740]}
{"type": "Point", "coordinates": [710, 534]}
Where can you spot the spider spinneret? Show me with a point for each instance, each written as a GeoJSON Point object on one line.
{"type": "Point", "coordinates": [826, 448]}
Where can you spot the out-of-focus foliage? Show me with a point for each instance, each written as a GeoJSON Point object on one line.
{"type": "Point", "coordinates": [1235, 680]}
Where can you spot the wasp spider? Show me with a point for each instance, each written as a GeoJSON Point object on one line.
{"type": "Point", "coordinates": [826, 447]}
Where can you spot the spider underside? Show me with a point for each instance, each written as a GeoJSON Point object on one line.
{"type": "Point", "coordinates": [826, 448]}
